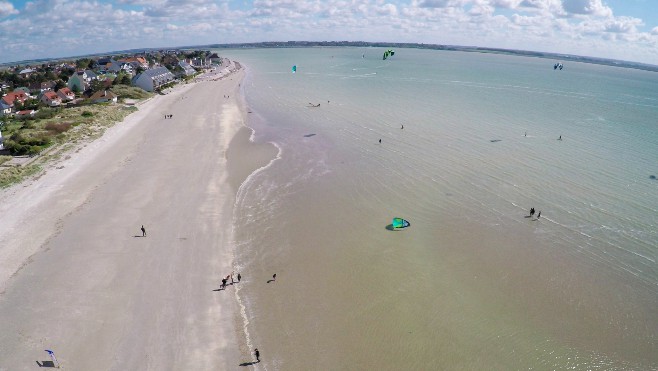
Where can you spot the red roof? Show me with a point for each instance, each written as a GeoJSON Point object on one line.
{"type": "Point", "coordinates": [50, 95]}
{"type": "Point", "coordinates": [11, 97]}
{"type": "Point", "coordinates": [65, 91]}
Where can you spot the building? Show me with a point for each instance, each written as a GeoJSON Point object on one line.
{"type": "Point", "coordinates": [41, 87]}
{"type": "Point", "coordinates": [66, 94]}
{"type": "Point", "coordinates": [25, 113]}
{"type": "Point", "coordinates": [79, 81]}
{"type": "Point", "coordinates": [25, 73]}
{"type": "Point", "coordinates": [153, 78]}
{"type": "Point", "coordinates": [2, 141]}
{"type": "Point", "coordinates": [103, 96]}
{"type": "Point", "coordinates": [187, 69]}
{"type": "Point", "coordinates": [9, 100]}
{"type": "Point", "coordinates": [51, 99]}
{"type": "Point", "coordinates": [136, 62]}
{"type": "Point", "coordinates": [215, 59]}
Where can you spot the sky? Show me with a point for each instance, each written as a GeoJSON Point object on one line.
{"type": "Point", "coordinates": [617, 29]}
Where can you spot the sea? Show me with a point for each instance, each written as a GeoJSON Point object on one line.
{"type": "Point", "coordinates": [462, 145]}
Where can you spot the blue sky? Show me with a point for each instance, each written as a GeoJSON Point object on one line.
{"type": "Point", "coordinates": [620, 29]}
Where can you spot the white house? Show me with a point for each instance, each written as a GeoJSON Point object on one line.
{"type": "Point", "coordinates": [7, 104]}
{"type": "Point", "coordinates": [66, 94]}
{"type": "Point", "coordinates": [153, 78]}
{"type": "Point", "coordinates": [51, 99]}
{"type": "Point", "coordinates": [187, 69]}
{"type": "Point", "coordinates": [5, 109]}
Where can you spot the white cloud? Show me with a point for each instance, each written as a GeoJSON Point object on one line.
{"type": "Point", "coordinates": [570, 26]}
{"type": "Point", "coordinates": [589, 7]}
{"type": "Point", "coordinates": [7, 9]}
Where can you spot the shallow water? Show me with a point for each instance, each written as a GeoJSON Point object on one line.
{"type": "Point", "coordinates": [473, 283]}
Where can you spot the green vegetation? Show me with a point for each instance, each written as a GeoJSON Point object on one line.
{"type": "Point", "coordinates": [60, 129]}
{"type": "Point", "coordinates": [13, 175]}
{"type": "Point", "coordinates": [4, 159]}
{"type": "Point", "coordinates": [130, 92]}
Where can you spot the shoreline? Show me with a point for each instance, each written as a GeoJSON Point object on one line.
{"type": "Point", "coordinates": [67, 249]}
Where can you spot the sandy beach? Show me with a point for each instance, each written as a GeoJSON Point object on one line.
{"type": "Point", "coordinates": [76, 275]}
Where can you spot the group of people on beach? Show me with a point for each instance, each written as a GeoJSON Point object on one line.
{"type": "Point", "coordinates": [532, 212]}
{"type": "Point", "coordinates": [239, 277]}
{"type": "Point", "coordinates": [230, 276]}
{"type": "Point", "coordinates": [168, 116]}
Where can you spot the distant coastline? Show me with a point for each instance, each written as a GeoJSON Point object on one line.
{"type": "Point", "coordinates": [306, 44]}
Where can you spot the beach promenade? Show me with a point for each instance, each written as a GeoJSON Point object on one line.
{"type": "Point", "coordinates": [78, 278]}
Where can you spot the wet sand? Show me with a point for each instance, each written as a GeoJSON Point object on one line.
{"type": "Point", "coordinates": [76, 275]}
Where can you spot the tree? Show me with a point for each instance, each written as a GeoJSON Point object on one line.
{"type": "Point", "coordinates": [82, 63]}
{"type": "Point", "coordinates": [125, 80]}
{"type": "Point", "coordinates": [59, 83]}
{"type": "Point", "coordinates": [97, 85]}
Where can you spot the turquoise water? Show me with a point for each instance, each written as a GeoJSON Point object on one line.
{"type": "Point", "coordinates": [473, 283]}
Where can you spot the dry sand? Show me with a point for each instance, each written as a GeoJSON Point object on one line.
{"type": "Point", "coordinates": [77, 277]}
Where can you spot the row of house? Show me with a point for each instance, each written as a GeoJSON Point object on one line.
{"type": "Point", "coordinates": [107, 69]}
{"type": "Point", "coordinates": [49, 98]}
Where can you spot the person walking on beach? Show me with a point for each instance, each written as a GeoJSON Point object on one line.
{"type": "Point", "coordinates": [223, 283]}
{"type": "Point", "coordinates": [380, 141]}
{"type": "Point", "coordinates": [532, 211]}
{"type": "Point", "coordinates": [539, 215]}
{"type": "Point", "coordinates": [402, 126]}
{"type": "Point", "coordinates": [143, 231]}
{"type": "Point", "coordinates": [232, 282]}
{"type": "Point", "coordinates": [257, 354]}
{"type": "Point", "coordinates": [239, 277]}
{"type": "Point", "coordinates": [274, 277]}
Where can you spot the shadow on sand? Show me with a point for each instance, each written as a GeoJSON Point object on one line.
{"type": "Point", "coordinates": [308, 135]}
{"type": "Point", "coordinates": [46, 364]}
{"type": "Point", "coordinates": [390, 228]}
{"type": "Point", "coordinates": [137, 236]}
{"type": "Point", "coordinates": [249, 363]}
{"type": "Point", "coordinates": [270, 281]}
